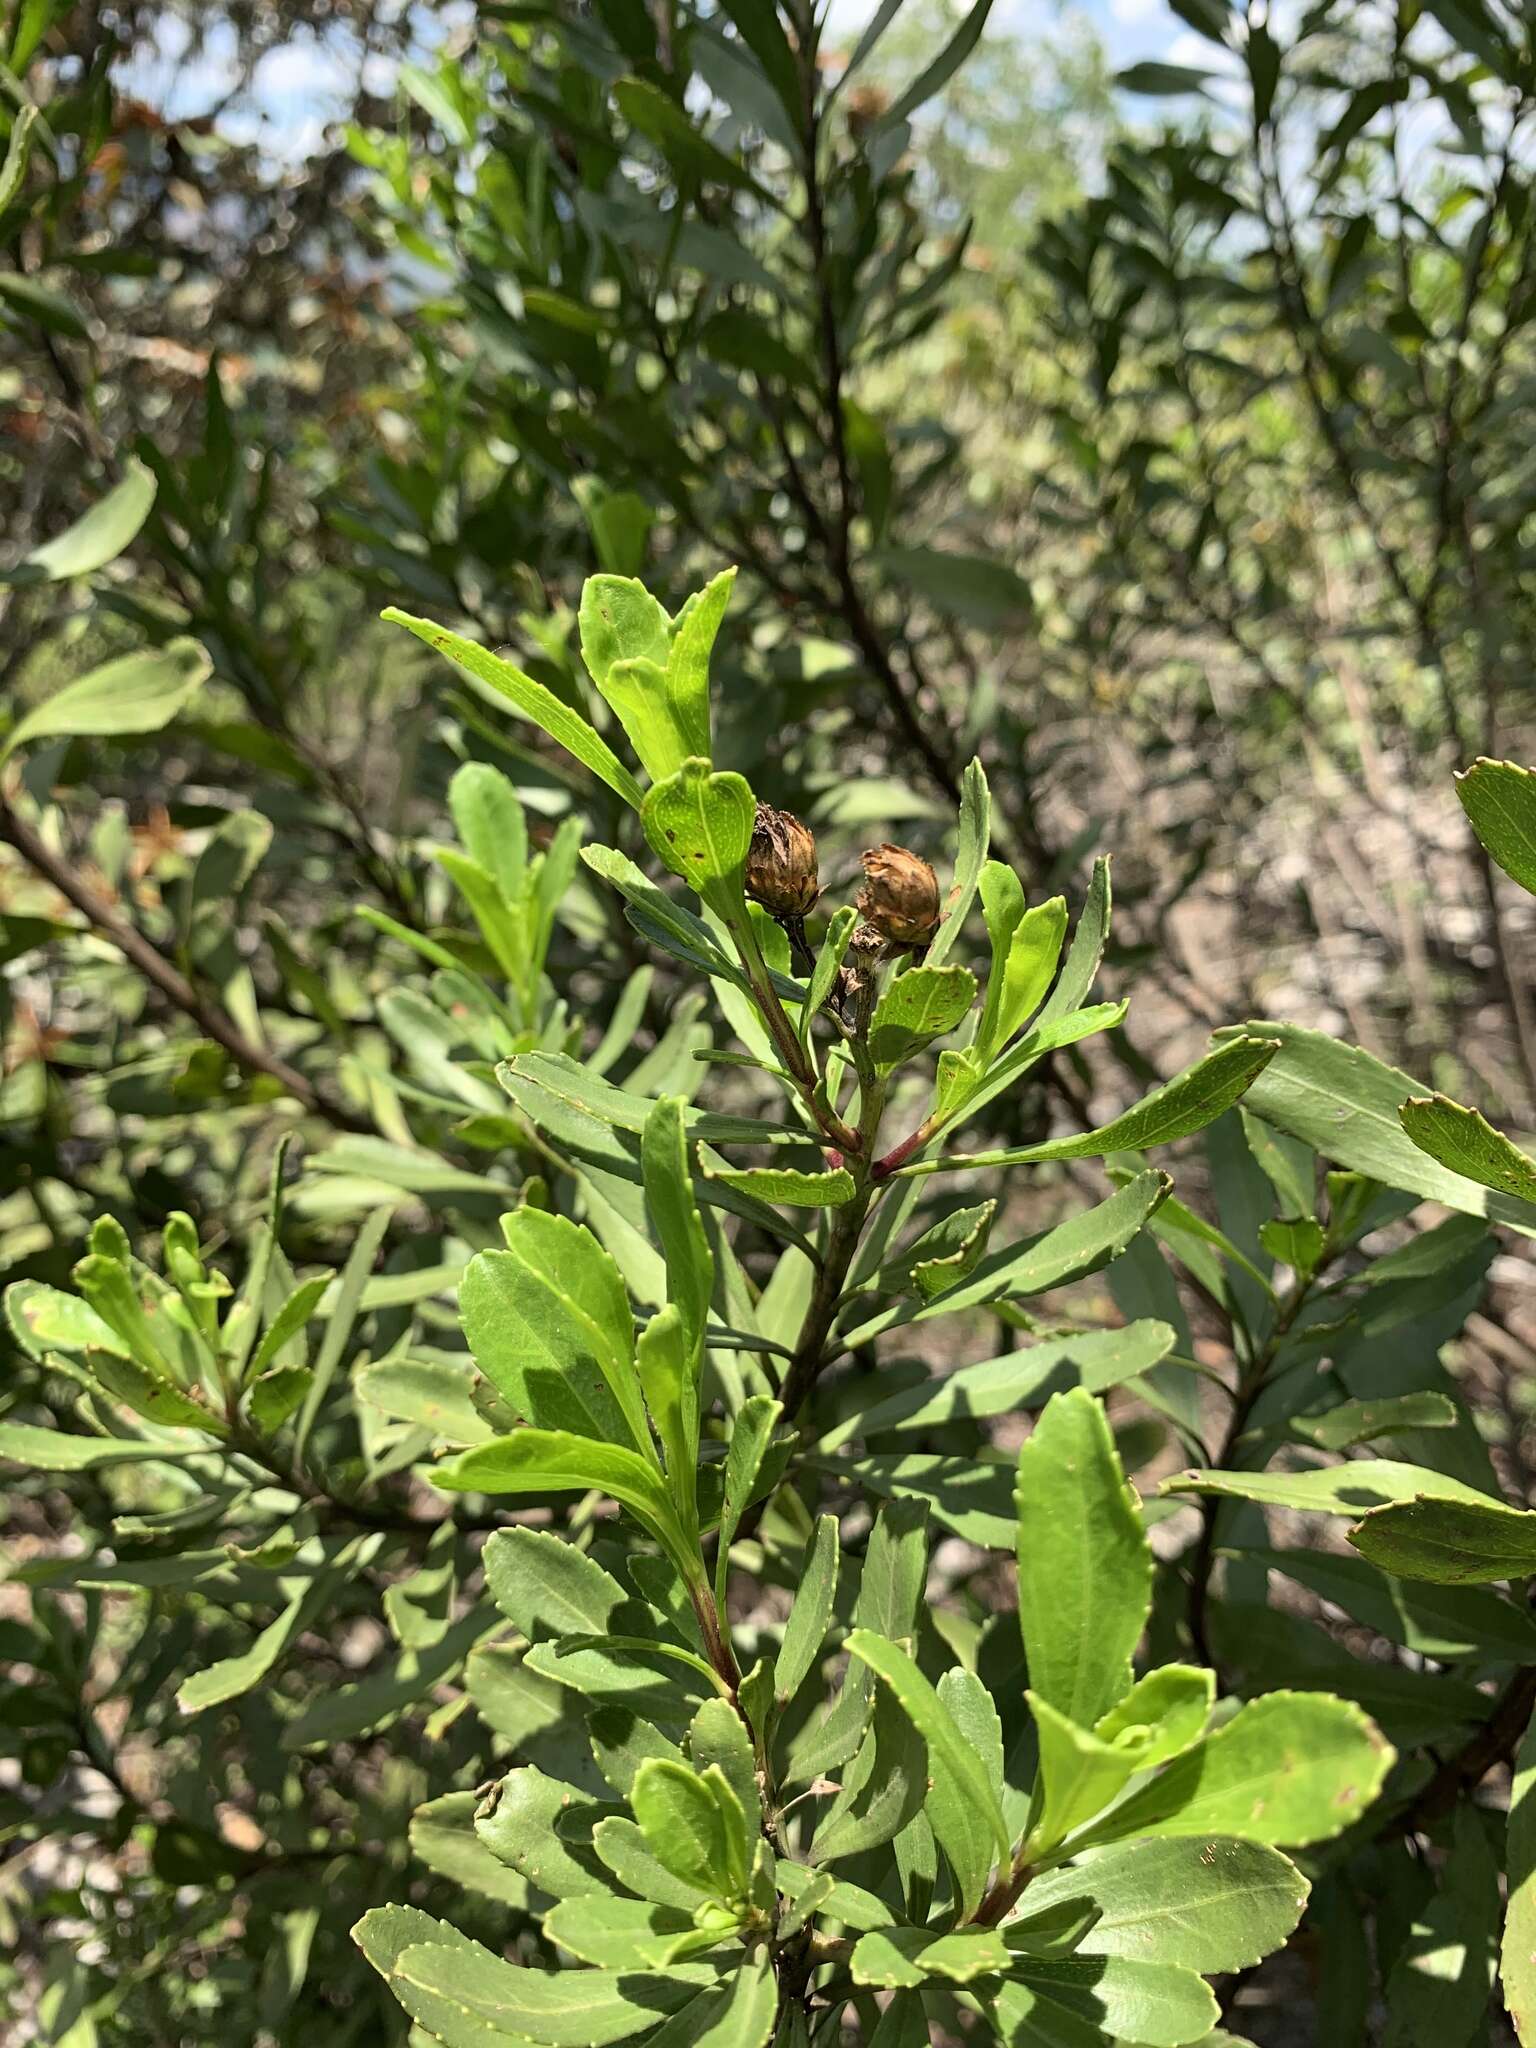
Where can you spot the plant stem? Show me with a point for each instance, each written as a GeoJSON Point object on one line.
{"type": "Point", "coordinates": [214, 1021]}
{"type": "Point", "coordinates": [842, 1243]}
{"type": "Point", "coordinates": [1251, 1384]}
{"type": "Point", "coordinates": [1493, 1744]}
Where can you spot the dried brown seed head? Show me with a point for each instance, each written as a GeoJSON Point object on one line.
{"type": "Point", "coordinates": [781, 863]}
{"type": "Point", "coordinates": [900, 896]}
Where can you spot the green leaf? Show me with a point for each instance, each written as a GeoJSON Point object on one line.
{"type": "Point", "coordinates": [154, 1395]}
{"type": "Point", "coordinates": [699, 824]}
{"type": "Point", "coordinates": [276, 1394]}
{"type": "Point", "coordinates": [521, 1825]}
{"type": "Point", "coordinates": [622, 1849]}
{"type": "Point", "coordinates": [301, 1305]}
{"type": "Point", "coordinates": [568, 728]}
{"type": "Point", "coordinates": [972, 838]}
{"type": "Point", "coordinates": [1345, 1105]}
{"type": "Point", "coordinates": [694, 632]}
{"type": "Point", "coordinates": [1419, 1617]}
{"type": "Point", "coordinates": [18, 148]}
{"type": "Point", "coordinates": [917, 1007]}
{"type": "Point", "coordinates": [718, 1735]}
{"type": "Point", "coordinates": [101, 535]}
{"type": "Point", "coordinates": [788, 1186]}
{"type": "Point", "coordinates": [1100, 1359]}
{"type": "Point", "coordinates": [679, 1228]}
{"type": "Point", "coordinates": [384, 1934]}
{"type": "Point", "coordinates": [1444, 1970]}
{"type": "Point", "coordinates": [1085, 1568]}
{"type": "Point", "coordinates": [1359, 1422]}
{"type": "Point", "coordinates": [1289, 1769]}
{"type": "Point", "coordinates": [456, 1994]}
{"type": "Point", "coordinates": [1085, 952]}
{"type": "Point", "coordinates": [962, 1805]}
{"type": "Point", "coordinates": [549, 1324]}
{"type": "Point", "coordinates": [751, 1435]}
{"type": "Point", "coordinates": [442, 1836]}
{"type": "Point", "coordinates": [740, 2013]}
{"type": "Point", "coordinates": [972, 1496]}
{"type": "Point", "coordinates": [942, 68]}
{"type": "Point", "coordinates": [231, 1676]}
{"type": "Point", "coordinates": [625, 643]}
{"type": "Point", "coordinates": [1182, 1106]}
{"type": "Point", "coordinates": [1352, 1489]}
{"type": "Point", "coordinates": [1079, 1776]}
{"type": "Point", "coordinates": [1449, 1542]}
{"type": "Point", "coordinates": [984, 593]}
{"type": "Point", "coordinates": [1467, 1143]}
{"type": "Point", "coordinates": [1158, 78]}
{"type": "Point", "coordinates": [1080, 1246]}
{"type": "Point", "coordinates": [392, 1686]}
{"type": "Point", "coordinates": [566, 1080]}
{"type": "Point", "coordinates": [545, 1586]}
{"type": "Point", "coordinates": [663, 122]}
{"type": "Point", "coordinates": [617, 1934]}
{"type": "Point", "coordinates": [883, 1787]}
{"type": "Point", "coordinates": [26, 297]}
{"type": "Point", "coordinates": [534, 1461]}
{"type": "Point", "coordinates": [136, 693]}
{"type": "Point", "coordinates": [1499, 797]}
{"type": "Point", "coordinates": [436, 1397]}
{"type": "Point", "coordinates": [668, 1368]}
{"type": "Point", "coordinates": [1163, 1713]}
{"type": "Point", "coordinates": [944, 1255]}
{"type": "Point", "coordinates": [805, 1632]}
{"type": "Point", "coordinates": [828, 961]}
{"type": "Point", "coordinates": [1294, 1241]}
{"type": "Point", "coordinates": [41, 1449]}
{"type": "Point", "coordinates": [1210, 1905]}
{"type": "Point", "coordinates": [1517, 1963]}
{"type": "Point", "coordinates": [672, 926]}
{"type": "Point", "coordinates": [47, 1319]}
{"type": "Point", "coordinates": [1026, 945]}
{"type": "Point", "coordinates": [693, 1825]}
{"type": "Point", "coordinates": [892, 1958]}
{"type": "Point", "coordinates": [1080, 1999]}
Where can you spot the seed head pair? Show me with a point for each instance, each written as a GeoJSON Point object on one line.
{"type": "Point", "coordinates": [899, 901]}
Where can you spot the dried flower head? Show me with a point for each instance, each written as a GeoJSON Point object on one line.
{"type": "Point", "coordinates": [900, 896]}
{"type": "Point", "coordinates": [781, 863]}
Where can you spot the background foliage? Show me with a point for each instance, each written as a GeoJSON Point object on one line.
{"type": "Point", "coordinates": [1159, 445]}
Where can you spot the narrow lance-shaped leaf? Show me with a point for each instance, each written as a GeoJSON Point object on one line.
{"type": "Point", "coordinates": [700, 824]}
{"type": "Point", "coordinates": [1288, 1769]}
{"type": "Point", "coordinates": [1499, 797]}
{"type": "Point", "coordinates": [1467, 1143]}
{"type": "Point", "coordinates": [565, 726]}
{"type": "Point", "coordinates": [675, 1215]}
{"type": "Point", "coordinates": [1517, 1966]}
{"type": "Point", "coordinates": [1183, 1106]}
{"type": "Point", "coordinates": [751, 1435]}
{"type": "Point", "coordinates": [917, 1007]}
{"type": "Point", "coordinates": [1346, 1105]}
{"type": "Point", "coordinates": [962, 1804]}
{"type": "Point", "coordinates": [972, 839]}
{"type": "Point", "coordinates": [549, 1323]}
{"type": "Point", "coordinates": [1449, 1542]}
{"type": "Point", "coordinates": [534, 1461]}
{"type": "Point", "coordinates": [136, 693]}
{"type": "Point", "coordinates": [101, 534]}
{"type": "Point", "coordinates": [1085, 1567]}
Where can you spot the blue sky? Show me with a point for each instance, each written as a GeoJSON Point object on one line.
{"type": "Point", "coordinates": [305, 84]}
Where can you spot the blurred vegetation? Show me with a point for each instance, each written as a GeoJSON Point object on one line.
{"type": "Point", "coordinates": [1159, 442]}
